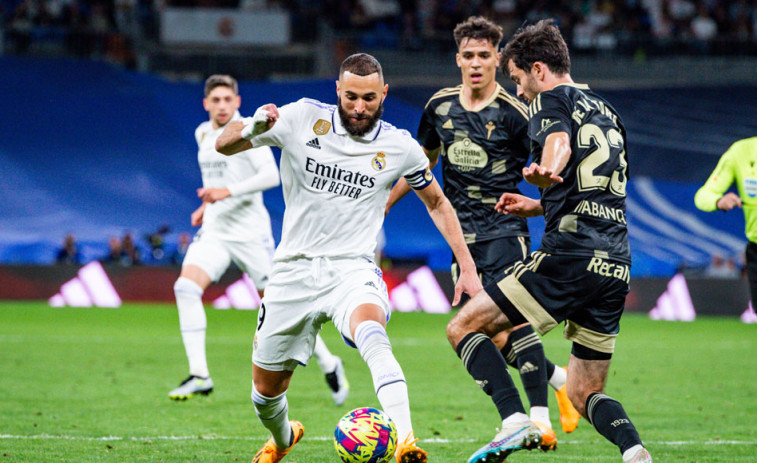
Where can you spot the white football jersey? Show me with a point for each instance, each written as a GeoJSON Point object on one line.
{"type": "Point", "coordinates": [240, 217]}
{"type": "Point", "coordinates": [336, 185]}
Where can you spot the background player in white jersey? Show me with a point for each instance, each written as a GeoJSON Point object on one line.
{"type": "Point", "coordinates": [235, 227]}
{"type": "Point", "coordinates": [338, 164]}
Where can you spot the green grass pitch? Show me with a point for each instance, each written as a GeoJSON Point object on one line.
{"type": "Point", "coordinates": [90, 385]}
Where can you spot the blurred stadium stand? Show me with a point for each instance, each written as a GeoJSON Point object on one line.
{"type": "Point", "coordinates": [102, 99]}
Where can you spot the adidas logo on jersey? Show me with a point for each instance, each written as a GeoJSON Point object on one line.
{"type": "Point", "coordinates": [448, 124]}
{"type": "Point", "coordinates": [371, 284]}
{"type": "Point", "coordinates": [528, 367]}
{"type": "Point", "coordinates": [314, 143]}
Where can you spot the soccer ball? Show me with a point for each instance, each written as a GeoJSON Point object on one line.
{"type": "Point", "coordinates": [365, 435]}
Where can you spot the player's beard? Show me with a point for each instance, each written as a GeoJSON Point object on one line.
{"type": "Point", "coordinates": [357, 131]}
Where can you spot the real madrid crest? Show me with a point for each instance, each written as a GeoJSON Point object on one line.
{"type": "Point", "coordinates": [379, 161]}
{"type": "Point", "coordinates": [321, 127]}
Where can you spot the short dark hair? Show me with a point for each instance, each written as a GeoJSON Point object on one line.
{"type": "Point", "coordinates": [361, 64]}
{"type": "Point", "coordinates": [221, 80]}
{"type": "Point", "coordinates": [479, 28]}
{"type": "Point", "coordinates": [537, 42]}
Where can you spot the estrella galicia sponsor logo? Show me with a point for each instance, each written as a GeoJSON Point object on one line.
{"type": "Point", "coordinates": [466, 155]}
{"type": "Point", "coordinates": [334, 179]}
{"type": "Point", "coordinates": [750, 187]}
{"type": "Point", "coordinates": [379, 161]}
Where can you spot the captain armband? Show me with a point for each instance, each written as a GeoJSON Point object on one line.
{"type": "Point", "coordinates": [420, 180]}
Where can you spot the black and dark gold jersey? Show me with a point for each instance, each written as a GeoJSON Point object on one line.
{"type": "Point", "coordinates": [483, 154]}
{"type": "Point", "coordinates": [586, 214]}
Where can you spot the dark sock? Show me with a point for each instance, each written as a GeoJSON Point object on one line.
{"type": "Point", "coordinates": [609, 418]}
{"type": "Point", "coordinates": [485, 363]}
{"type": "Point", "coordinates": [529, 352]}
{"type": "Point", "coordinates": [550, 368]}
{"type": "Point", "coordinates": [509, 354]}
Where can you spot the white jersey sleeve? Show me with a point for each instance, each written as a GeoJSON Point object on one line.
{"type": "Point", "coordinates": [282, 130]}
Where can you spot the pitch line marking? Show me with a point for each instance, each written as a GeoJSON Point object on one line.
{"type": "Point", "coordinates": [433, 440]}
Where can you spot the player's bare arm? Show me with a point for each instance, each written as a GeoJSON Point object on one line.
{"type": "Point", "coordinates": [522, 206]}
{"type": "Point", "coordinates": [401, 188]}
{"type": "Point", "coordinates": [445, 219]}
{"type": "Point", "coordinates": [237, 135]}
{"type": "Point", "coordinates": [554, 158]}
{"type": "Point", "coordinates": [196, 217]}
{"type": "Point", "coordinates": [728, 201]}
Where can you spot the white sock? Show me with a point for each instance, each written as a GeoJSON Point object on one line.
{"type": "Point", "coordinates": [326, 360]}
{"type": "Point", "coordinates": [273, 412]}
{"type": "Point", "coordinates": [541, 414]}
{"type": "Point", "coordinates": [193, 323]}
{"type": "Point", "coordinates": [630, 453]}
{"type": "Point", "coordinates": [559, 378]}
{"type": "Point", "coordinates": [388, 379]}
{"type": "Point", "coordinates": [515, 418]}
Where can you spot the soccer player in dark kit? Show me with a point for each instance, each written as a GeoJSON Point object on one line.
{"type": "Point", "coordinates": [580, 274]}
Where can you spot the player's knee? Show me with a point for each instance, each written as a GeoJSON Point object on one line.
{"type": "Point", "coordinates": [372, 341]}
{"type": "Point", "coordinates": [186, 286]}
{"type": "Point", "coordinates": [267, 388]}
{"type": "Point", "coordinates": [455, 331]}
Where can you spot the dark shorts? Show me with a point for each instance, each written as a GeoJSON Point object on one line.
{"type": "Point", "coordinates": [588, 293]}
{"type": "Point", "coordinates": [493, 257]}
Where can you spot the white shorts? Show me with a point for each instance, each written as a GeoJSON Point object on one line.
{"type": "Point", "coordinates": [214, 255]}
{"type": "Point", "coordinates": [301, 295]}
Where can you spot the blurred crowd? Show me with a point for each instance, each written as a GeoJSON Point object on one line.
{"type": "Point", "coordinates": [104, 29]}
{"type": "Point", "coordinates": [590, 25]}
{"type": "Point", "coordinates": [109, 28]}
{"type": "Point", "coordinates": [126, 250]}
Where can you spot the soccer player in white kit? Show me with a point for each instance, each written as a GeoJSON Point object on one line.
{"type": "Point", "coordinates": [338, 164]}
{"type": "Point", "coordinates": [235, 227]}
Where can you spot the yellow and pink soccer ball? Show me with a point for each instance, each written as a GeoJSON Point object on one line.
{"type": "Point", "coordinates": [365, 435]}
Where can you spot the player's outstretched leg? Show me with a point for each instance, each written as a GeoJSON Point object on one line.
{"type": "Point", "coordinates": [586, 379]}
{"type": "Point", "coordinates": [532, 366]}
{"type": "Point", "coordinates": [391, 389]}
{"type": "Point", "coordinates": [193, 323]}
{"type": "Point", "coordinates": [488, 368]}
{"type": "Point", "coordinates": [333, 369]}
